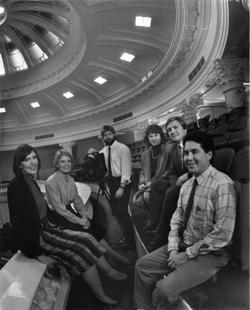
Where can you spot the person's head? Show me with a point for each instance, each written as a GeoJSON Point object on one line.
{"type": "Point", "coordinates": [108, 134]}
{"type": "Point", "coordinates": [63, 161]}
{"type": "Point", "coordinates": [26, 160]}
{"type": "Point", "coordinates": [154, 135]}
{"type": "Point", "coordinates": [198, 152]}
{"type": "Point", "coordinates": [176, 128]}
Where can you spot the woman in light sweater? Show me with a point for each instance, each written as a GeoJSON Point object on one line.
{"type": "Point", "coordinates": [69, 209]}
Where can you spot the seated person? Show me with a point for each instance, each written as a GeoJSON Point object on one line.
{"type": "Point", "coordinates": [70, 211]}
{"type": "Point", "coordinates": [37, 236]}
{"type": "Point", "coordinates": [155, 159]}
{"type": "Point", "coordinates": [176, 129]}
{"type": "Point", "coordinates": [169, 205]}
{"type": "Point", "coordinates": [201, 231]}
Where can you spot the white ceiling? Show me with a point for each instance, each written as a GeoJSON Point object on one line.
{"type": "Point", "coordinates": [95, 33]}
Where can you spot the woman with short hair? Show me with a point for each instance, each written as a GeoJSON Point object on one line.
{"type": "Point", "coordinates": [154, 160]}
{"type": "Point", "coordinates": [35, 234]}
{"type": "Point", "coordinates": [69, 210]}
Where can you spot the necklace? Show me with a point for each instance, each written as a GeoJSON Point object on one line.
{"type": "Point", "coordinates": [154, 157]}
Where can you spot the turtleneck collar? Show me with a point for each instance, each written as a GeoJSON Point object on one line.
{"type": "Point", "coordinates": [156, 149]}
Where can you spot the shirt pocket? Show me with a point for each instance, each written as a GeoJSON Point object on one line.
{"type": "Point", "coordinates": [198, 217]}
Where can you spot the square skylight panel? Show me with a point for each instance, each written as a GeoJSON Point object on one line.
{"type": "Point", "coordinates": [143, 21]}
{"type": "Point", "coordinates": [35, 104]}
{"type": "Point", "coordinates": [127, 57]}
{"type": "Point", "coordinates": [68, 95]}
{"type": "Point", "coordinates": [100, 80]}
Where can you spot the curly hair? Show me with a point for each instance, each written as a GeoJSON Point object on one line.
{"type": "Point", "coordinates": [154, 129]}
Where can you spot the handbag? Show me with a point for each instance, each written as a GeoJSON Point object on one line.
{"type": "Point", "coordinates": [62, 222]}
{"type": "Point", "coordinates": [141, 198]}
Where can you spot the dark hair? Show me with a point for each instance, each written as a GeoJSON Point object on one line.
{"type": "Point", "coordinates": [58, 155]}
{"type": "Point", "coordinates": [154, 129]}
{"type": "Point", "coordinates": [206, 141]}
{"type": "Point", "coordinates": [20, 154]}
{"type": "Point", "coordinates": [107, 128]}
{"type": "Point", "coordinates": [179, 119]}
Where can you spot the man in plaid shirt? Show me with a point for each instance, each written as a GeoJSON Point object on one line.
{"type": "Point", "coordinates": [199, 238]}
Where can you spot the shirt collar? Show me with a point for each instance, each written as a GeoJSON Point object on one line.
{"type": "Point", "coordinates": [112, 145]}
{"type": "Point", "coordinates": [203, 177]}
{"type": "Point", "coordinates": [65, 177]}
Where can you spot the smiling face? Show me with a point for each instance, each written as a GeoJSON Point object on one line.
{"type": "Point", "coordinates": [64, 164]}
{"type": "Point", "coordinates": [176, 132]}
{"type": "Point", "coordinates": [30, 164]}
{"type": "Point", "coordinates": [154, 139]}
{"type": "Point", "coordinates": [108, 137]}
{"type": "Point", "coordinates": [195, 158]}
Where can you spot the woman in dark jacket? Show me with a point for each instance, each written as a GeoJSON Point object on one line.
{"type": "Point", "coordinates": [37, 237]}
{"type": "Point", "coordinates": [154, 161]}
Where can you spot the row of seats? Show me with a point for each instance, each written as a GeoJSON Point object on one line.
{"type": "Point", "coordinates": [229, 130]}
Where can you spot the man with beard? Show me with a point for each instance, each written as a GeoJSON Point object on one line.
{"type": "Point", "coordinates": [118, 162]}
{"type": "Point", "coordinates": [201, 231]}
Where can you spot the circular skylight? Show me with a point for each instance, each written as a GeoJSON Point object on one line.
{"type": "Point", "coordinates": [31, 32]}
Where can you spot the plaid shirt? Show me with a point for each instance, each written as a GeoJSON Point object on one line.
{"type": "Point", "coordinates": [211, 223]}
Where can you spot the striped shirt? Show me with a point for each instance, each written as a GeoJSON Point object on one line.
{"type": "Point", "coordinates": [211, 223]}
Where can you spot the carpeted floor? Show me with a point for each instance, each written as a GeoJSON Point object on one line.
{"type": "Point", "coordinates": [82, 298]}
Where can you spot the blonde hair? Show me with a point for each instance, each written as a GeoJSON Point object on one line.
{"type": "Point", "coordinates": [58, 155]}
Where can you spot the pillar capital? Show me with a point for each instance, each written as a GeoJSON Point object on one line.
{"type": "Point", "coordinates": [189, 107]}
{"type": "Point", "coordinates": [230, 74]}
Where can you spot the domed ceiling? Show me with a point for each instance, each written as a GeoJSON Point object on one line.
{"type": "Point", "coordinates": [68, 67]}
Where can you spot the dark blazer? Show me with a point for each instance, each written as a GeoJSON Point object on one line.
{"type": "Point", "coordinates": [176, 169]}
{"type": "Point", "coordinates": [24, 218]}
{"type": "Point", "coordinates": [162, 164]}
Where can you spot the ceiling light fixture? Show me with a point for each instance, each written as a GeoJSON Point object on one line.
{"type": "Point", "coordinates": [3, 14]}
{"type": "Point", "coordinates": [68, 95]}
{"type": "Point", "coordinates": [2, 110]}
{"type": "Point", "coordinates": [35, 104]}
{"type": "Point", "coordinates": [143, 21]}
{"type": "Point", "coordinates": [100, 80]}
{"type": "Point", "coordinates": [127, 57]}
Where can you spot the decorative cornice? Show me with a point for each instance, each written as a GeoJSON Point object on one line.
{"type": "Point", "coordinates": [188, 41]}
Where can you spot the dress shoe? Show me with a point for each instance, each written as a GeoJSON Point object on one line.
{"type": "Point", "coordinates": [116, 275]}
{"type": "Point", "coordinates": [149, 227]}
{"type": "Point", "coordinates": [156, 243]}
{"type": "Point", "coordinates": [123, 244]}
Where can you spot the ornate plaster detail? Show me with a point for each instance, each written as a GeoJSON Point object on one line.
{"type": "Point", "coordinates": [230, 74]}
